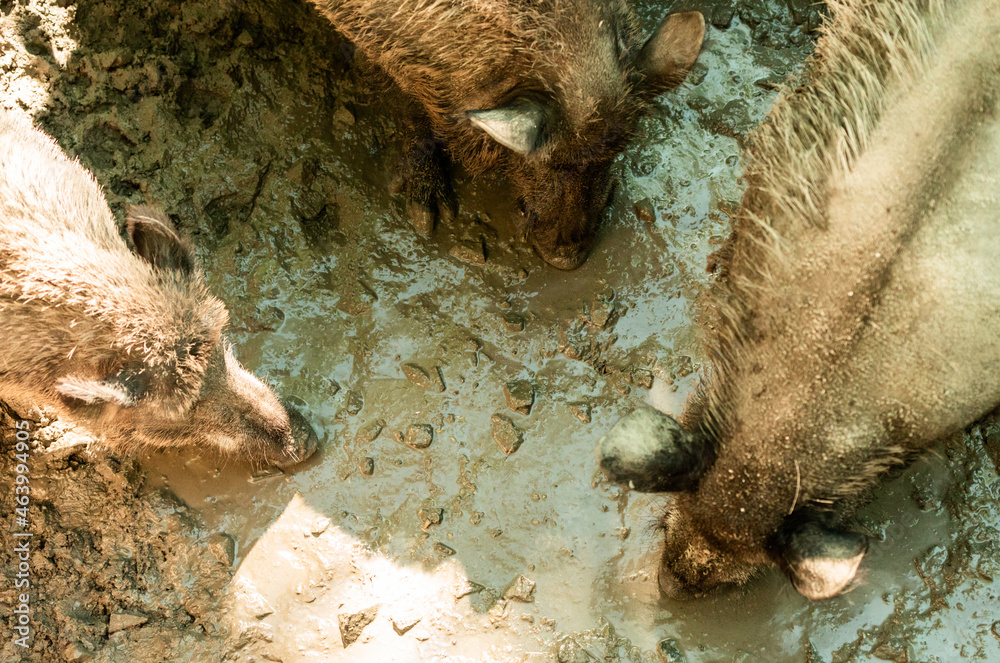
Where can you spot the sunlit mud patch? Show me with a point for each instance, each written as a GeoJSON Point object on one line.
{"type": "Point", "coordinates": [341, 595]}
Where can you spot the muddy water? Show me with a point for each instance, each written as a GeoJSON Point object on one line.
{"type": "Point", "coordinates": [253, 126]}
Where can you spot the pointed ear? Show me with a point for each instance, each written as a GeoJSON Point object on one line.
{"type": "Point", "coordinates": [669, 54]}
{"type": "Point", "coordinates": [96, 392]}
{"type": "Point", "coordinates": [519, 125]}
{"type": "Point", "coordinates": [650, 452]}
{"type": "Point", "coordinates": [157, 242]}
{"type": "Point", "coordinates": [820, 562]}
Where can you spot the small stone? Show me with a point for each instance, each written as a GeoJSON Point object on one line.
{"type": "Point", "coordinates": [581, 411]}
{"type": "Point", "coordinates": [353, 624]}
{"type": "Point", "coordinates": [466, 587]}
{"type": "Point", "coordinates": [366, 466]}
{"type": "Point", "coordinates": [722, 17]}
{"type": "Point", "coordinates": [641, 377]}
{"type": "Point", "coordinates": [602, 314]}
{"type": "Point", "coordinates": [995, 629]}
{"type": "Point", "coordinates": [319, 526]}
{"type": "Point", "coordinates": [403, 623]}
{"type": "Point", "coordinates": [570, 651]}
{"type": "Point", "coordinates": [471, 252]}
{"type": "Point", "coordinates": [398, 436]}
{"type": "Point", "coordinates": [254, 632]}
{"type": "Point", "coordinates": [77, 653]}
{"type": "Point", "coordinates": [122, 620]}
{"type": "Point", "coordinates": [355, 402]}
{"type": "Point", "coordinates": [369, 432]}
{"type": "Point", "coordinates": [419, 436]}
{"type": "Point", "coordinates": [644, 210]}
{"type": "Point", "coordinates": [684, 366]}
{"type": "Point", "coordinates": [343, 117]}
{"type": "Point", "coordinates": [443, 550]}
{"type": "Point", "coordinates": [512, 321]}
{"type": "Point", "coordinates": [431, 381]}
{"type": "Point", "coordinates": [669, 652]}
{"type": "Point", "coordinates": [223, 547]}
{"type": "Point", "coordinates": [334, 387]}
{"type": "Point", "coordinates": [506, 434]}
{"type": "Point", "coordinates": [520, 589]}
{"type": "Point", "coordinates": [520, 395]}
{"type": "Point", "coordinates": [430, 517]}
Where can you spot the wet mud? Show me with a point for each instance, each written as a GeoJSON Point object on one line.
{"type": "Point", "coordinates": [455, 511]}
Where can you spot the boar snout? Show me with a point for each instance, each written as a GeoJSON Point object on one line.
{"type": "Point", "coordinates": [303, 441]}
{"type": "Point", "coordinates": [247, 418]}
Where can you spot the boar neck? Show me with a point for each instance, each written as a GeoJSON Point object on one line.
{"type": "Point", "coordinates": [866, 340]}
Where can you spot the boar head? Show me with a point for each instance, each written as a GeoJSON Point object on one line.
{"type": "Point", "coordinates": [170, 379]}
{"type": "Point", "coordinates": [710, 542]}
{"type": "Point", "coordinates": [563, 134]}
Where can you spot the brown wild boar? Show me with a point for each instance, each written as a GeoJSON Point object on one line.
{"type": "Point", "coordinates": [856, 316]}
{"type": "Point", "coordinates": [546, 91]}
{"type": "Point", "coordinates": [127, 343]}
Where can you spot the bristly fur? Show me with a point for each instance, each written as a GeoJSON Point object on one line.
{"type": "Point", "coordinates": [820, 124]}
{"type": "Point", "coordinates": [126, 342]}
{"type": "Point", "coordinates": [440, 50]}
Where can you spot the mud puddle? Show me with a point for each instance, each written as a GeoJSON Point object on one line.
{"type": "Point", "coordinates": [413, 536]}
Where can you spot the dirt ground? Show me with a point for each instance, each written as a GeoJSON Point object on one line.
{"type": "Point", "coordinates": [262, 134]}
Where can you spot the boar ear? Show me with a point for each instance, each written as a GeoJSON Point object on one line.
{"type": "Point", "coordinates": [669, 54]}
{"type": "Point", "coordinates": [820, 562]}
{"type": "Point", "coordinates": [157, 242]}
{"type": "Point", "coordinates": [113, 391]}
{"type": "Point", "coordinates": [520, 125]}
{"type": "Point", "coordinates": [650, 452]}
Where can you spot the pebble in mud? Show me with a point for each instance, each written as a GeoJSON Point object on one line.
{"type": "Point", "coordinates": [353, 624]}
{"type": "Point", "coordinates": [641, 377]}
{"type": "Point", "coordinates": [581, 411]}
{"type": "Point", "coordinates": [521, 589]}
{"type": "Point", "coordinates": [430, 517]}
{"type": "Point", "coordinates": [403, 623]}
{"type": "Point", "coordinates": [669, 652]}
{"type": "Point", "coordinates": [520, 395]}
{"type": "Point", "coordinates": [355, 402]}
{"type": "Point", "coordinates": [319, 526]}
{"type": "Point", "coordinates": [443, 549]}
{"type": "Point", "coordinates": [644, 210]}
{"type": "Point", "coordinates": [121, 621]}
{"type": "Point", "coordinates": [431, 381]}
{"type": "Point", "coordinates": [366, 466]}
{"type": "Point", "coordinates": [471, 252]}
{"type": "Point", "coordinates": [512, 322]}
{"type": "Point", "coordinates": [77, 653]}
{"type": "Point", "coordinates": [369, 432]}
{"type": "Point", "coordinates": [506, 434]}
{"type": "Point", "coordinates": [419, 436]}
{"type": "Point", "coordinates": [601, 314]}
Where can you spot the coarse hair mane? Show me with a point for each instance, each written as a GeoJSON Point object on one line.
{"type": "Point", "coordinates": [821, 123]}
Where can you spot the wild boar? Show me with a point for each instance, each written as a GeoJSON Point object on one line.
{"type": "Point", "coordinates": [856, 316]}
{"type": "Point", "coordinates": [127, 343]}
{"type": "Point", "coordinates": [546, 91]}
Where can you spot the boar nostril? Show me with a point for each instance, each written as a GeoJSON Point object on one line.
{"type": "Point", "coordinates": [303, 442]}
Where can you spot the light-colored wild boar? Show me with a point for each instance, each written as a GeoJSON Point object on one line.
{"type": "Point", "coordinates": [127, 343]}
{"type": "Point", "coordinates": [856, 316]}
{"type": "Point", "coordinates": [547, 91]}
